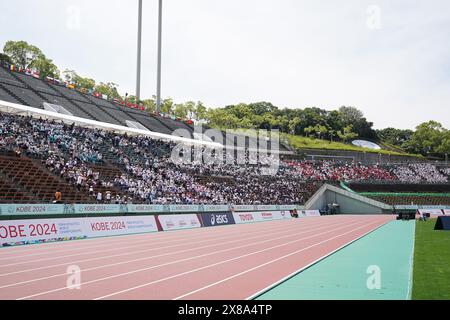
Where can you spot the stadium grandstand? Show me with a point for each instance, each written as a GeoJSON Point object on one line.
{"type": "Point", "coordinates": [266, 203]}
{"type": "Point", "coordinates": [40, 157]}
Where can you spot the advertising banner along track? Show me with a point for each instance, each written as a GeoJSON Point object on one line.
{"type": "Point", "coordinates": [50, 230]}
{"type": "Point", "coordinates": [217, 219]}
{"type": "Point", "coordinates": [179, 221]}
{"type": "Point", "coordinates": [250, 217]}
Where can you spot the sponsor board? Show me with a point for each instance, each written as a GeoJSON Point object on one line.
{"type": "Point", "coordinates": [16, 232]}
{"type": "Point", "coordinates": [179, 221]}
{"type": "Point", "coordinates": [309, 213]}
{"type": "Point", "coordinates": [447, 212]}
{"type": "Point", "coordinates": [249, 217]}
{"type": "Point", "coordinates": [145, 208]}
{"type": "Point", "coordinates": [287, 207]}
{"type": "Point", "coordinates": [215, 208]}
{"type": "Point", "coordinates": [243, 208]}
{"type": "Point", "coordinates": [432, 212]}
{"type": "Point", "coordinates": [407, 207]}
{"type": "Point", "coordinates": [97, 208]}
{"type": "Point", "coordinates": [183, 208]}
{"type": "Point", "coordinates": [30, 209]}
{"type": "Point", "coordinates": [217, 219]}
{"type": "Point", "coordinates": [266, 207]}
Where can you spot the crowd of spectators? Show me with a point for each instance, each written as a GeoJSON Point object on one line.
{"type": "Point", "coordinates": [419, 172]}
{"type": "Point", "coordinates": [149, 173]}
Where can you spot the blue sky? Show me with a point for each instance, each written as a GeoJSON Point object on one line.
{"type": "Point", "coordinates": [389, 58]}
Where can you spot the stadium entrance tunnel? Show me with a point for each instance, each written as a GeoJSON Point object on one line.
{"type": "Point", "coordinates": [348, 202]}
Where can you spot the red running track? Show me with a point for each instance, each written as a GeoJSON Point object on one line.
{"type": "Point", "coordinates": [231, 263]}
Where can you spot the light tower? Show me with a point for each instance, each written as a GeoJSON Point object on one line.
{"type": "Point", "coordinates": [158, 77]}
{"type": "Point", "coordinates": [139, 47]}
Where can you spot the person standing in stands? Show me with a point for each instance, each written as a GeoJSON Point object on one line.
{"type": "Point", "coordinates": [108, 196]}
{"type": "Point", "coordinates": [58, 197]}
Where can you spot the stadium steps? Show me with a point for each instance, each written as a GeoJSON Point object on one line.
{"type": "Point", "coordinates": [96, 113]}
{"type": "Point", "coordinates": [7, 78]}
{"type": "Point", "coordinates": [13, 193]}
{"type": "Point", "coordinates": [35, 83]}
{"type": "Point", "coordinates": [158, 119]}
{"type": "Point", "coordinates": [149, 122]}
{"type": "Point", "coordinates": [15, 97]}
{"type": "Point", "coordinates": [30, 87]}
{"type": "Point", "coordinates": [412, 200]}
{"type": "Point", "coordinates": [107, 172]}
{"type": "Point", "coordinates": [31, 175]}
{"type": "Point", "coordinates": [113, 115]}
{"type": "Point", "coordinates": [80, 195]}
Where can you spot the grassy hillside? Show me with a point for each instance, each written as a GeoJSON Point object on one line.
{"type": "Point", "coordinates": [298, 142]}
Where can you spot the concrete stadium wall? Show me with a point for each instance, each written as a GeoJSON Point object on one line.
{"type": "Point", "coordinates": [367, 157]}
{"type": "Point", "coordinates": [350, 203]}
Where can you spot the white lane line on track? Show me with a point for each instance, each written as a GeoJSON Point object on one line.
{"type": "Point", "coordinates": [209, 239]}
{"type": "Point", "coordinates": [220, 263]}
{"type": "Point", "coordinates": [262, 234]}
{"type": "Point", "coordinates": [267, 263]}
{"type": "Point", "coordinates": [115, 248]}
{"type": "Point", "coordinates": [275, 284]}
{"type": "Point", "coordinates": [176, 262]}
{"type": "Point", "coordinates": [105, 242]}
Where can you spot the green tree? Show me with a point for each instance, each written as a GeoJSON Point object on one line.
{"type": "Point", "coordinates": [45, 67]}
{"type": "Point", "coordinates": [222, 119]}
{"type": "Point", "coordinates": [353, 116]}
{"type": "Point", "coordinates": [309, 130]}
{"type": "Point", "coordinates": [427, 138]}
{"type": "Point", "coordinates": [21, 53]}
{"type": "Point", "coordinates": [167, 106]}
{"type": "Point", "coordinates": [150, 105]}
{"type": "Point", "coordinates": [72, 77]}
{"type": "Point", "coordinates": [293, 125]}
{"type": "Point", "coordinates": [444, 147]}
{"type": "Point", "coordinates": [5, 58]}
{"type": "Point", "coordinates": [190, 109]}
{"type": "Point", "coordinates": [109, 89]}
{"type": "Point", "coordinates": [396, 137]}
{"type": "Point", "coordinates": [347, 133]}
{"type": "Point", "coordinates": [201, 111]}
{"type": "Point", "coordinates": [180, 111]}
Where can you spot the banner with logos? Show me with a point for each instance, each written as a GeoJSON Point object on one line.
{"type": "Point", "coordinates": [215, 208]}
{"type": "Point", "coordinates": [30, 209]}
{"type": "Point", "coordinates": [178, 221]}
{"type": "Point", "coordinates": [16, 232]}
{"type": "Point", "coordinates": [183, 208]}
{"type": "Point", "coordinates": [309, 213]}
{"type": "Point", "coordinates": [250, 217]}
{"type": "Point", "coordinates": [432, 212]}
{"type": "Point", "coordinates": [145, 208]}
{"type": "Point", "coordinates": [217, 219]}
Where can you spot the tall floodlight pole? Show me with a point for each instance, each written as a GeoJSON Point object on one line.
{"type": "Point", "coordinates": [158, 80]}
{"type": "Point", "coordinates": [139, 47]}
